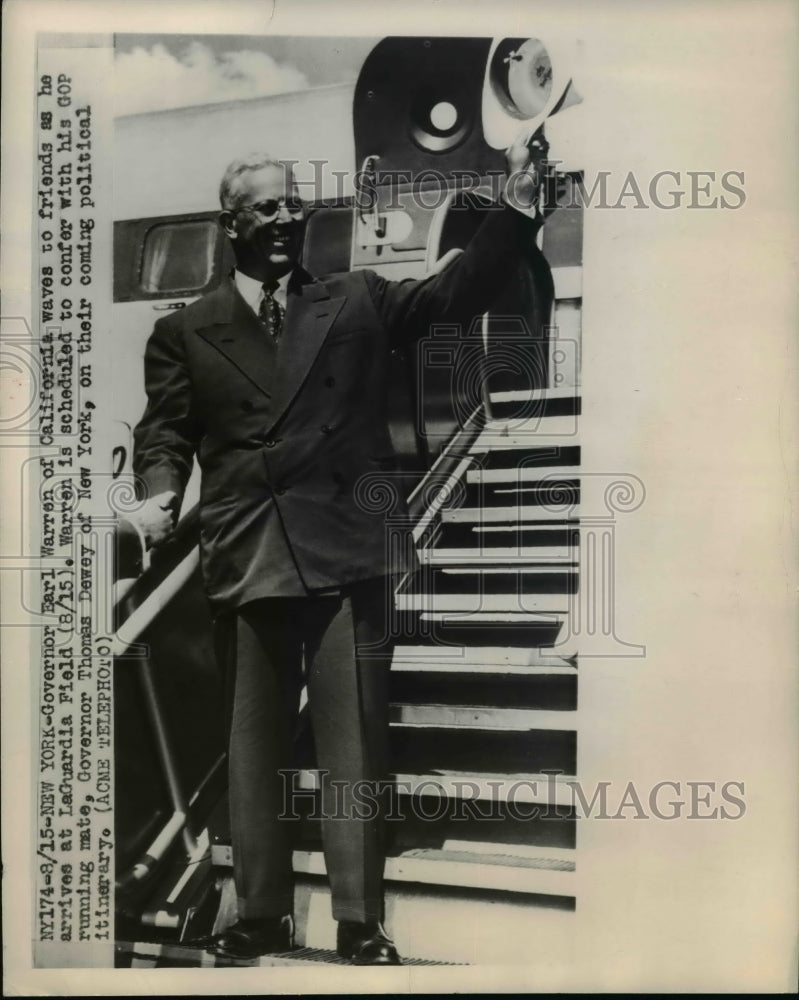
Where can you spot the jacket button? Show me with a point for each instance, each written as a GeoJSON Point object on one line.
{"type": "Point", "coordinates": [270, 443]}
{"type": "Point", "coordinates": [280, 490]}
{"type": "Point", "coordinates": [330, 382]}
{"type": "Point", "coordinates": [246, 405]}
{"type": "Point", "coordinates": [326, 429]}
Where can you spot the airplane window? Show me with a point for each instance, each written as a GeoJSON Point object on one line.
{"type": "Point", "coordinates": [436, 123]}
{"type": "Point", "coordinates": [443, 116]}
{"type": "Point", "coordinates": [178, 256]}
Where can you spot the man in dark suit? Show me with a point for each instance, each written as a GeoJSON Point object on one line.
{"type": "Point", "coordinates": [277, 381]}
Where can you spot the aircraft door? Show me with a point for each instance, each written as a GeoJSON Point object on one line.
{"type": "Point", "coordinates": [428, 175]}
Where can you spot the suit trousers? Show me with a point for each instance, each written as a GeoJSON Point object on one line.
{"type": "Point", "coordinates": [337, 646]}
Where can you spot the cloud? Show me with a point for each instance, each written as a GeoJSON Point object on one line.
{"type": "Point", "coordinates": [154, 79]}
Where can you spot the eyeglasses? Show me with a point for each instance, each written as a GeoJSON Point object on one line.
{"type": "Point", "coordinates": [269, 209]}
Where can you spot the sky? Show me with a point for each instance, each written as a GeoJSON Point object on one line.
{"type": "Point", "coordinates": [154, 72]}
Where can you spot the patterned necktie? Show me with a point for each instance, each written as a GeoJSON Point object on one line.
{"type": "Point", "coordinates": [270, 311]}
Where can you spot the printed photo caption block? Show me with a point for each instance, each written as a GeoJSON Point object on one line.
{"type": "Point", "coordinates": [74, 904]}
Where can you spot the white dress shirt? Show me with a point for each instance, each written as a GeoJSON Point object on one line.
{"type": "Point", "coordinates": [251, 289]}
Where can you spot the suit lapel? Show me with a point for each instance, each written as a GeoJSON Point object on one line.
{"type": "Point", "coordinates": [310, 313]}
{"type": "Point", "coordinates": [229, 325]}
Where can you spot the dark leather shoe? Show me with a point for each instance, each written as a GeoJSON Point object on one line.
{"type": "Point", "coordinates": [252, 938]}
{"type": "Point", "coordinates": [365, 943]}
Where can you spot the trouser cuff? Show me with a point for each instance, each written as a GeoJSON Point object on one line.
{"type": "Point", "coordinates": [260, 907]}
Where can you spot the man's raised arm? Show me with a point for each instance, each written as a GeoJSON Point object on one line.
{"type": "Point", "coordinates": [466, 288]}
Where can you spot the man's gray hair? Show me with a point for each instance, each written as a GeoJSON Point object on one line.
{"type": "Point", "coordinates": [229, 188]}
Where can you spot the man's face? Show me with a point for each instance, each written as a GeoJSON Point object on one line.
{"type": "Point", "coordinates": [269, 222]}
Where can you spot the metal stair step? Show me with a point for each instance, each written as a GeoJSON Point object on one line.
{"type": "Point", "coordinates": [511, 534]}
{"type": "Point", "coordinates": [541, 603]}
{"type": "Point", "coordinates": [481, 629]}
{"type": "Point", "coordinates": [566, 455]}
{"type": "Point", "coordinates": [515, 513]}
{"type": "Point", "coordinates": [550, 393]}
{"type": "Point", "coordinates": [479, 717]}
{"type": "Point", "coordinates": [557, 493]}
{"type": "Point", "coordinates": [556, 557]}
{"type": "Point", "coordinates": [154, 955]}
{"type": "Point", "coordinates": [490, 580]}
{"type": "Point", "coordinates": [482, 660]}
{"type": "Point", "coordinates": [465, 869]}
{"type": "Point", "coordinates": [525, 417]}
{"type": "Point", "coordinates": [527, 403]}
{"type": "Point", "coordinates": [443, 867]}
{"type": "Point", "coordinates": [519, 435]}
{"type": "Point", "coordinates": [523, 473]}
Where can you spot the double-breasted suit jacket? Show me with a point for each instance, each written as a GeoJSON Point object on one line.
{"type": "Point", "coordinates": [283, 435]}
